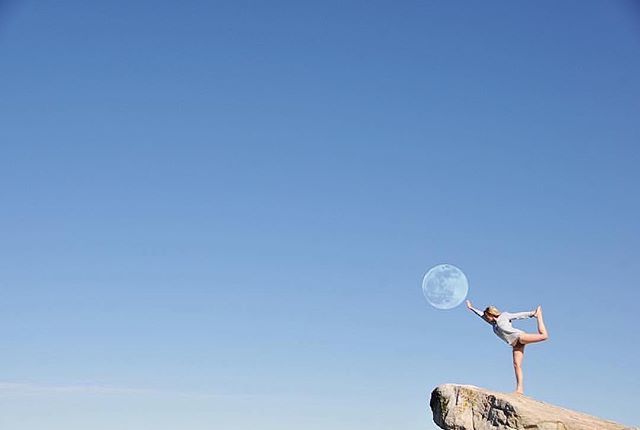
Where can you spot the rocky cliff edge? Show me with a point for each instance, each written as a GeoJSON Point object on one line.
{"type": "Point", "coordinates": [465, 407]}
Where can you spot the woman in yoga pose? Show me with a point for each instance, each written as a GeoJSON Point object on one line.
{"type": "Point", "coordinates": [517, 339]}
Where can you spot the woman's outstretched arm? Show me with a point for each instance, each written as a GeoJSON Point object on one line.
{"type": "Point", "coordinates": [476, 311]}
{"type": "Point", "coordinates": [521, 315]}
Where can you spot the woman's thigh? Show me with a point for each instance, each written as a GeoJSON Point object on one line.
{"type": "Point", "coordinates": [518, 352]}
{"type": "Point", "coordinates": [526, 338]}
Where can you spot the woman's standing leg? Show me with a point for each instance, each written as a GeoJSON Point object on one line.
{"type": "Point", "coordinates": [518, 355]}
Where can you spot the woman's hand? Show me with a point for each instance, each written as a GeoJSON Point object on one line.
{"type": "Point", "coordinates": [469, 304]}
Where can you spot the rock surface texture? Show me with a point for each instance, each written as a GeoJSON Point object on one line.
{"type": "Point", "coordinates": [465, 407]}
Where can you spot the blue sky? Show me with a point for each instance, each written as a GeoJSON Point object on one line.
{"type": "Point", "coordinates": [217, 215]}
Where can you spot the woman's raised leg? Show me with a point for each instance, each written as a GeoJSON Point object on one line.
{"type": "Point", "coordinates": [518, 356]}
{"type": "Point", "coordinates": [542, 330]}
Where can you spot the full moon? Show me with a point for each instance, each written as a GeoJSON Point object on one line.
{"type": "Point", "coordinates": [445, 286]}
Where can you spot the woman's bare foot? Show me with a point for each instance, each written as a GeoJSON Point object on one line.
{"type": "Point", "coordinates": [538, 311]}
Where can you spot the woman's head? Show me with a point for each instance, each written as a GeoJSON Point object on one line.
{"type": "Point", "coordinates": [491, 313]}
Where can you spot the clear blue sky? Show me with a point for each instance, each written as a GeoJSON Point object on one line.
{"type": "Point", "coordinates": [217, 215]}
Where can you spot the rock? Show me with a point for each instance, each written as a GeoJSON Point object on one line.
{"type": "Point", "coordinates": [465, 407]}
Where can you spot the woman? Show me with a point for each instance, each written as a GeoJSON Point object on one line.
{"type": "Point", "coordinates": [501, 322]}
